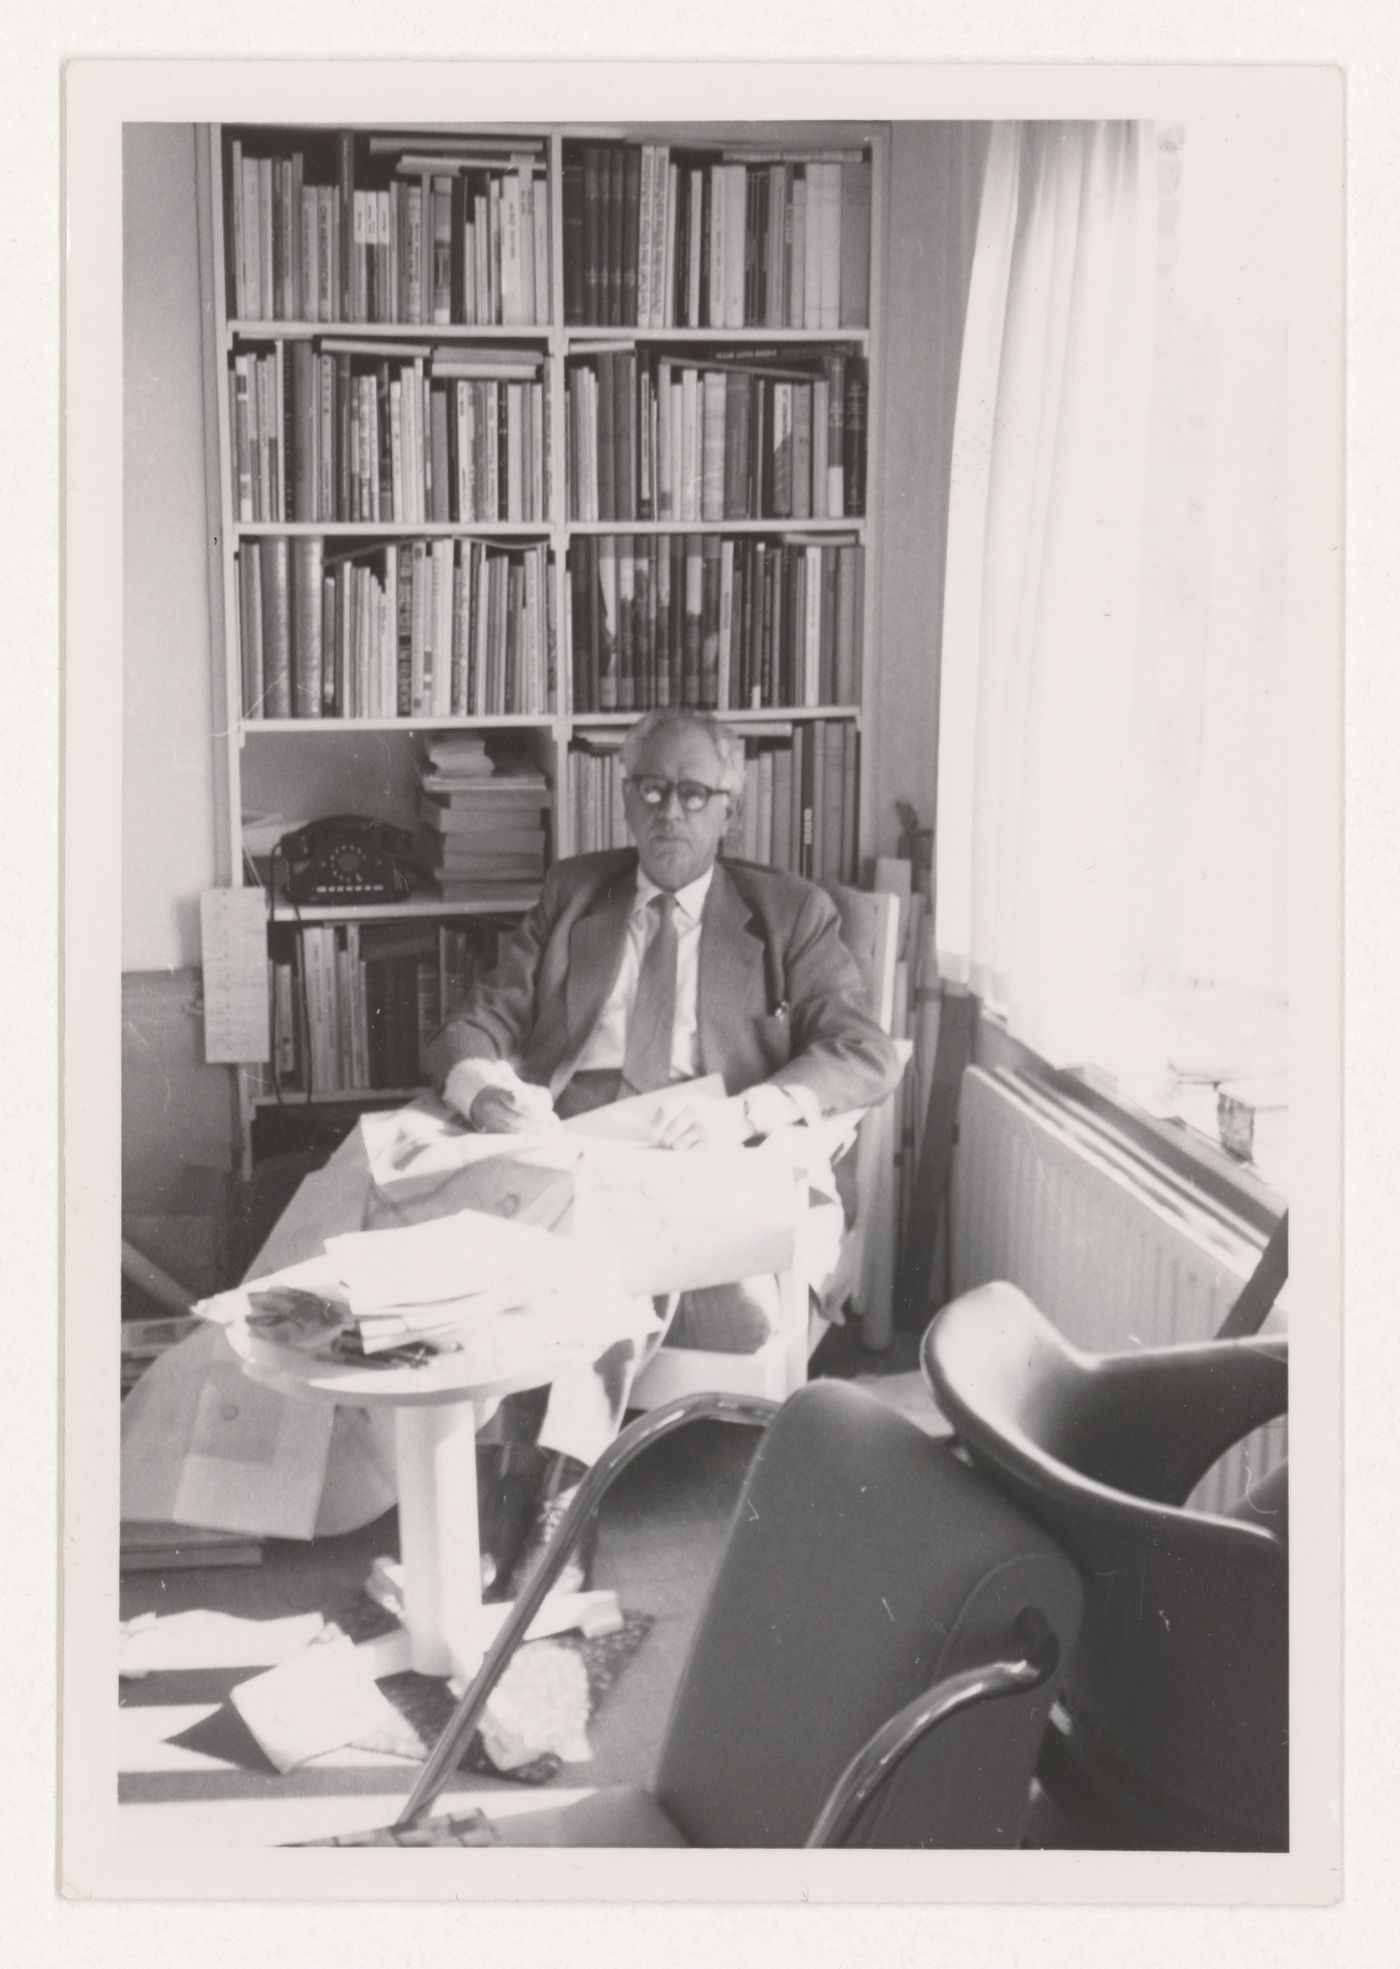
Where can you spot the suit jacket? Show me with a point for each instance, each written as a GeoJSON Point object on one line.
{"type": "Point", "coordinates": [779, 996]}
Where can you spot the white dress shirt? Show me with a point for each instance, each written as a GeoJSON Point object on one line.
{"type": "Point", "coordinates": [606, 1045]}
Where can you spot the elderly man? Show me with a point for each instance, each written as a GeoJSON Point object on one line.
{"type": "Point", "coordinates": [644, 967]}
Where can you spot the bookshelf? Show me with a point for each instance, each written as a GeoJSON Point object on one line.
{"type": "Point", "coordinates": [589, 501]}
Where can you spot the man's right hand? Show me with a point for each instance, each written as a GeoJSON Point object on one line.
{"type": "Point", "coordinates": [513, 1110]}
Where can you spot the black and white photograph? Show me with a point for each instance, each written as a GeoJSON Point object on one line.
{"type": "Point", "coordinates": [723, 710]}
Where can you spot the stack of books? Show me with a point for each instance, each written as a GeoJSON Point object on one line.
{"type": "Point", "coordinates": [422, 228]}
{"type": "Point", "coordinates": [482, 826]}
{"type": "Point", "coordinates": [798, 810]}
{"type": "Point", "coordinates": [769, 434]}
{"type": "Point", "coordinates": [147, 1546]}
{"type": "Point", "coordinates": [328, 428]}
{"type": "Point", "coordinates": [715, 624]}
{"type": "Point", "coordinates": [419, 628]}
{"type": "Point", "coordinates": [750, 238]}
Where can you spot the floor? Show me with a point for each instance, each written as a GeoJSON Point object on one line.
{"type": "Point", "coordinates": [191, 1775]}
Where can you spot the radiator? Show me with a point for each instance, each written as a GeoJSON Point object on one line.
{"type": "Point", "coordinates": [1115, 1251]}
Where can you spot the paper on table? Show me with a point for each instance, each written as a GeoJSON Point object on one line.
{"type": "Point", "coordinates": [634, 1120]}
{"type": "Point", "coordinates": [446, 1258]}
{"type": "Point", "coordinates": [428, 1138]}
{"type": "Point", "coordinates": [675, 1221]}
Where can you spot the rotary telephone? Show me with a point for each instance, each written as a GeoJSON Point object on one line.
{"type": "Point", "coordinates": [348, 859]}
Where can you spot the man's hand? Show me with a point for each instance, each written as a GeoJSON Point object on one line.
{"type": "Point", "coordinates": [513, 1110]}
{"type": "Point", "coordinates": [704, 1125]}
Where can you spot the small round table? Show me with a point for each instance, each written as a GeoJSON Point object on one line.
{"type": "Point", "coordinates": [437, 1410]}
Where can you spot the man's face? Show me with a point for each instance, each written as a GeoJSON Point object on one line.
{"type": "Point", "coordinates": [676, 847]}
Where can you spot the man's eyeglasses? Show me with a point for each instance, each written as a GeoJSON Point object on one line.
{"type": "Point", "coordinates": [693, 794]}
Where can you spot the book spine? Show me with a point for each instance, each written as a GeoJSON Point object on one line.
{"type": "Point", "coordinates": [833, 746]}
{"type": "Point", "coordinates": [607, 439]}
{"type": "Point", "coordinates": [593, 302]}
{"type": "Point", "coordinates": [836, 438]}
{"type": "Point", "coordinates": [856, 402]}
{"type": "Point", "coordinates": [672, 247]}
{"type": "Point", "coordinates": [801, 451]}
{"type": "Point", "coordinates": [850, 806]}
{"type": "Point", "coordinates": [607, 637]}
{"type": "Point", "coordinates": [307, 575]}
{"type": "Point", "coordinates": [714, 387]}
{"type": "Point", "coordinates": [709, 617]}
{"type": "Point", "coordinates": [277, 627]}
{"type": "Point", "coordinates": [242, 435]}
{"type": "Point", "coordinates": [574, 241]}
{"type": "Point", "coordinates": [625, 430]}
{"type": "Point", "coordinates": [345, 184]}
{"type": "Point", "coordinates": [854, 303]}
{"type": "Point", "coordinates": [829, 558]}
{"type": "Point", "coordinates": [249, 563]}
{"type": "Point", "coordinates": [723, 698]}
{"type": "Point", "coordinates": [694, 606]}
{"type": "Point", "coordinates": [646, 203]}
{"type": "Point", "coordinates": [525, 181]}
{"type": "Point", "coordinates": [782, 450]}
{"type": "Point", "coordinates": [626, 623]}
{"type": "Point", "coordinates": [664, 489]}
{"type": "Point", "coordinates": [831, 247]}
{"type": "Point", "coordinates": [737, 235]}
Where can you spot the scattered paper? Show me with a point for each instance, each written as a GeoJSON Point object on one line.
{"type": "Point", "coordinates": [320, 1700]}
{"type": "Point", "coordinates": [203, 1639]}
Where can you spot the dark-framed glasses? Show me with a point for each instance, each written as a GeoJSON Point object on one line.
{"type": "Point", "coordinates": [693, 794]}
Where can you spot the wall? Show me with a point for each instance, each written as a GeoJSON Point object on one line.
{"type": "Point", "coordinates": [177, 1113]}
{"type": "Point", "coordinates": [935, 182]}
{"type": "Point", "coordinates": [168, 756]}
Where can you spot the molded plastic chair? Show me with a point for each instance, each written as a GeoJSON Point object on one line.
{"type": "Point", "coordinates": [1174, 1729]}
{"type": "Point", "coordinates": [874, 1665]}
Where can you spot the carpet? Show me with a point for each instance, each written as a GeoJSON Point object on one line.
{"type": "Point", "coordinates": [424, 1704]}
{"type": "Point", "coordinates": [466, 1829]}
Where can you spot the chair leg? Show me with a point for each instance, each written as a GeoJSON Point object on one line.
{"type": "Point", "coordinates": [640, 1435]}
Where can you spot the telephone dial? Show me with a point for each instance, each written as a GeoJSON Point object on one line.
{"type": "Point", "coordinates": [348, 859]}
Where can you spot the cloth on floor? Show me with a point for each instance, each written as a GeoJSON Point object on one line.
{"type": "Point", "coordinates": [424, 1704]}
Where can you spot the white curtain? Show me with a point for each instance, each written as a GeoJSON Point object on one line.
{"type": "Point", "coordinates": [1110, 835]}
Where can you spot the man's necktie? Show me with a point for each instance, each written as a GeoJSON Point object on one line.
{"type": "Point", "coordinates": [651, 1028]}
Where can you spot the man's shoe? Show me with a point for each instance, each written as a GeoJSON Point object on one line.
{"type": "Point", "coordinates": [508, 1481]}
{"type": "Point", "coordinates": [557, 1493]}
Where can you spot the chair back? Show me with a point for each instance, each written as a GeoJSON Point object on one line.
{"type": "Point", "coordinates": [870, 931]}
{"type": "Point", "coordinates": [1178, 1690]}
{"type": "Point", "coordinates": [864, 1562]}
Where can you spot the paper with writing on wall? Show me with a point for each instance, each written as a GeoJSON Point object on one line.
{"type": "Point", "coordinates": [233, 952]}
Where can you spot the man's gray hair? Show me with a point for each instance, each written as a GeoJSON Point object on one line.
{"type": "Point", "coordinates": [728, 744]}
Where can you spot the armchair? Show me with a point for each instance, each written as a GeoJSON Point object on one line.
{"type": "Point", "coordinates": [874, 1665]}
{"type": "Point", "coordinates": [1173, 1731]}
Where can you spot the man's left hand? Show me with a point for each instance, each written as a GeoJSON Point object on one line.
{"type": "Point", "coordinates": [704, 1125]}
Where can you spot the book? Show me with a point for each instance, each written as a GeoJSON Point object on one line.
{"type": "Point", "coordinates": [276, 627]}
{"type": "Point", "coordinates": [307, 575]}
